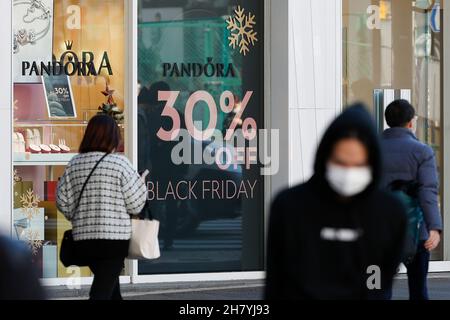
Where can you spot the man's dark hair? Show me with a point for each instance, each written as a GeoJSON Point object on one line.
{"type": "Point", "coordinates": [102, 135]}
{"type": "Point", "coordinates": [399, 113]}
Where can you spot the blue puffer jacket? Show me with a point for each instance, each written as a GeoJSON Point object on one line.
{"type": "Point", "coordinates": [406, 158]}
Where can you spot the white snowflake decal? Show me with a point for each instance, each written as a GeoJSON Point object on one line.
{"type": "Point", "coordinates": [32, 239]}
{"type": "Point", "coordinates": [241, 29]}
{"type": "Point", "coordinates": [30, 202]}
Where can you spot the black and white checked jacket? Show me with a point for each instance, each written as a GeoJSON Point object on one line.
{"type": "Point", "coordinates": [114, 192]}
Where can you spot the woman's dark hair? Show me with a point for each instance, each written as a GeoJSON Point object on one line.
{"type": "Point", "coordinates": [399, 113]}
{"type": "Point", "coordinates": [102, 135]}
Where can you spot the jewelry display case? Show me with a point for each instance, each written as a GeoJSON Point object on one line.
{"type": "Point", "coordinates": [42, 149]}
{"type": "Point", "coordinates": [46, 142]}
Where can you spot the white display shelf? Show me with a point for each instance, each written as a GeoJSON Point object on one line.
{"type": "Point", "coordinates": [52, 159]}
{"type": "Point", "coordinates": [54, 123]}
{"type": "Point", "coordinates": [50, 123]}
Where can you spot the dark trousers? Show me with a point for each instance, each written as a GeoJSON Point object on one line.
{"type": "Point", "coordinates": [417, 275]}
{"type": "Point", "coordinates": [106, 285]}
{"type": "Point", "coordinates": [105, 258]}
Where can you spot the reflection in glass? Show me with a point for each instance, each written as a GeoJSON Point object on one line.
{"type": "Point", "coordinates": [206, 224]}
{"type": "Point", "coordinates": [396, 44]}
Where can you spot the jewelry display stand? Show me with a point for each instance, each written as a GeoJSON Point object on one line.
{"type": "Point", "coordinates": [46, 142]}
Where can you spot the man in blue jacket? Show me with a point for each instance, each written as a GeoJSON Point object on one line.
{"type": "Point", "coordinates": [407, 159]}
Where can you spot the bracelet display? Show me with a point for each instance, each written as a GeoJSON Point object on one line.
{"type": "Point", "coordinates": [34, 148]}
{"type": "Point", "coordinates": [54, 148]}
{"type": "Point", "coordinates": [45, 148]}
{"type": "Point", "coordinates": [32, 143]}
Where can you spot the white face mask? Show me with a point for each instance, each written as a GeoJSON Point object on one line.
{"type": "Point", "coordinates": [348, 182]}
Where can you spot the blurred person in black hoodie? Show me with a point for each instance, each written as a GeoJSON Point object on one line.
{"type": "Point", "coordinates": [325, 236]}
{"type": "Point", "coordinates": [18, 278]}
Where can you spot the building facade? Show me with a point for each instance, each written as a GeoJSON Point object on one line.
{"type": "Point", "coordinates": [207, 94]}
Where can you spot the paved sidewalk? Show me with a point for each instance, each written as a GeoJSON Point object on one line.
{"type": "Point", "coordinates": [439, 285]}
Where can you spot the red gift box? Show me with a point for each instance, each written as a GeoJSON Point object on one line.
{"type": "Point", "coordinates": [50, 190]}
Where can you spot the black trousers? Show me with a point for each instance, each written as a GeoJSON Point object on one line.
{"type": "Point", "coordinates": [106, 284]}
{"type": "Point", "coordinates": [105, 258]}
{"type": "Point", "coordinates": [417, 275]}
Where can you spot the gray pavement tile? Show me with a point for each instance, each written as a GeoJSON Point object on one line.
{"type": "Point", "coordinates": [439, 288]}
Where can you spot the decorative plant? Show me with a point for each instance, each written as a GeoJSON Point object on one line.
{"type": "Point", "coordinates": [110, 107]}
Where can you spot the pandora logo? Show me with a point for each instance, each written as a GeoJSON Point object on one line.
{"type": "Point", "coordinates": [69, 64]}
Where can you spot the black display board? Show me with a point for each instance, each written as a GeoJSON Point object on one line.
{"type": "Point", "coordinates": [58, 96]}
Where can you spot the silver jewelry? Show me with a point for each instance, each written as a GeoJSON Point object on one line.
{"type": "Point", "coordinates": [22, 37]}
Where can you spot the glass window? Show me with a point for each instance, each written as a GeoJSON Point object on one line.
{"type": "Point", "coordinates": [201, 67]}
{"type": "Point", "coordinates": [393, 49]}
{"type": "Point", "coordinates": [68, 66]}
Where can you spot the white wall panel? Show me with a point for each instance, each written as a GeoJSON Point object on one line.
{"type": "Point", "coordinates": [314, 80]}
{"type": "Point", "coordinates": [294, 92]}
{"type": "Point", "coordinates": [295, 147]}
{"type": "Point", "coordinates": [308, 136]}
{"type": "Point", "coordinates": [323, 31]}
{"type": "Point", "coordinates": [302, 62]}
{"type": "Point", "coordinates": [5, 117]}
{"type": "Point", "coordinates": [5, 54]}
{"type": "Point", "coordinates": [324, 117]}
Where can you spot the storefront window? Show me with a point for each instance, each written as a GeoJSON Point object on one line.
{"type": "Point", "coordinates": [201, 79]}
{"type": "Point", "coordinates": [394, 49]}
{"type": "Point", "coordinates": [68, 66]}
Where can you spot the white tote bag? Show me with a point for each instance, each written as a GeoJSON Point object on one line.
{"type": "Point", "coordinates": [144, 243]}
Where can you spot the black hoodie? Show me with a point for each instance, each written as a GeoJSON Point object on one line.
{"type": "Point", "coordinates": [307, 258]}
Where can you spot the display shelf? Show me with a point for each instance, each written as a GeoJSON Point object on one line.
{"type": "Point", "coordinates": [29, 159]}
{"type": "Point", "coordinates": [49, 123]}
{"type": "Point", "coordinates": [53, 123]}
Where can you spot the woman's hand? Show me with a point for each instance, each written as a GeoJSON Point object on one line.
{"type": "Point", "coordinates": [144, 175]}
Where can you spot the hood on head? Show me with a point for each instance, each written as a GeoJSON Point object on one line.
{"type": "Point", "coordinates": [357, 122]}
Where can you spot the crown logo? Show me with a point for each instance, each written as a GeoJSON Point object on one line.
{"type": "Point", "coordinates": [68, 44]}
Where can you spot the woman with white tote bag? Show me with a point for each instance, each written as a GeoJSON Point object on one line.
{"type": "Point", "coordinates": [97, 193]}
{"type": "Point", "coordinates": [144, 244]}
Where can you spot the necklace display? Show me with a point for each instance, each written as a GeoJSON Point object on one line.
{"type": "Point", "coordinates": [22, 37]}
